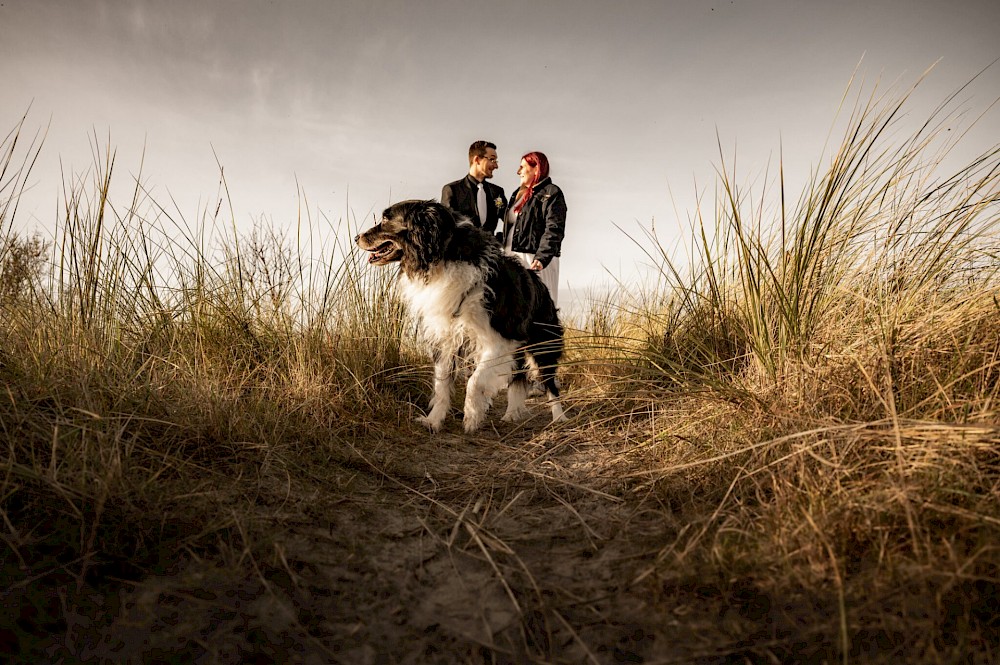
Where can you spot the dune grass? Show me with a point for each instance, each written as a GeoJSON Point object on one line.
{"type": "Point", "coordinates": [807, 407]}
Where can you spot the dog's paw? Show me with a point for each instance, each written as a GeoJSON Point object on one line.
{"type": "Point", "coordinates": [433, 425]}
{"type": "Point", "coordinates": [477, 406]}
{"type": "Point", "coordinates": [516, 415]}
{"type": "Point", "coordinates": [472, 422]}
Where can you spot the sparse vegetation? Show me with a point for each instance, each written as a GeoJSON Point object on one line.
{"type": "Point", "coordinates": [789, 451]}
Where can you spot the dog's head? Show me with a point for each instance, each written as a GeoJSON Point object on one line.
{"type": "Point", "coordinates": [411, 232]}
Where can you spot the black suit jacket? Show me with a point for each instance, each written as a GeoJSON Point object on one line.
{"type": "Point", "coordinates": [460, 196]}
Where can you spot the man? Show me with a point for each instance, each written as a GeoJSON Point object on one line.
{"type": "Point", "coordinates": [482, 202]}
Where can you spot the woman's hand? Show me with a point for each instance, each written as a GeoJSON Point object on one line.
{"type": "Point", "coordinates": [536, 265]}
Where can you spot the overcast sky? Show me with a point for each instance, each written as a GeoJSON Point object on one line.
{"type": "Point", "coordinates": [367, 102]}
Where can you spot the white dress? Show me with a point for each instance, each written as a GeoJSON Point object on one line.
{"type": "Point", "coordinates": [549, 274]}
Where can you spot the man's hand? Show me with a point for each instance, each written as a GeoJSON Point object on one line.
{"type": "Point", "coordinates": [536, 265]}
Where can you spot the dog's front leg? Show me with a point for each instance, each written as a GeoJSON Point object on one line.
{"type": "Point", "coordinates": [444, 383]}
{"type": "Point", "coordinates": [492, 373]}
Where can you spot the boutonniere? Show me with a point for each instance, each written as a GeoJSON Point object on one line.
{"type": "Point", "coordinates": [498, 203]}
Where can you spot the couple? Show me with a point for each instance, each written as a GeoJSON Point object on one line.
{"type": "Point", "coordinates": [535, 221]}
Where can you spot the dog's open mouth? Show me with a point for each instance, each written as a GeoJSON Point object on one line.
{"type": "Point", "coordinates": [383, 252]}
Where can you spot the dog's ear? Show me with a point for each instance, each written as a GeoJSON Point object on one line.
{"type": "Point", "coordinates": [431, 225]}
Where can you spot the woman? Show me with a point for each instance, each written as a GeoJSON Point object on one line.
{"type": "Point", "coordinates": [536, 221]}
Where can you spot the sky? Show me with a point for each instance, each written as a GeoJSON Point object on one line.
{"type": "Point", "coordinates": [358, 104]}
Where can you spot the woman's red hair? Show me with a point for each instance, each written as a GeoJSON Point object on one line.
{"type": "Point", "coordinates": [536, 160]}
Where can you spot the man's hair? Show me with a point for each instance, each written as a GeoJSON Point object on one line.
{"type": "Point", "coordinates": [478, 149]}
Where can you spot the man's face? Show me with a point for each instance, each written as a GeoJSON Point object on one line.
{"type": "Point", "coordinates": [483, 167]}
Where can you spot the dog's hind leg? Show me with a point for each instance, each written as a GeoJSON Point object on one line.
{"type": "Point", "coordinates": [546, 359]}
{"type": "Point", "coordinates": [517, 391]}
{"type": "Point", "coordinates": [558, 413]}
{"type": "Point", "coordinates": [444, 382]}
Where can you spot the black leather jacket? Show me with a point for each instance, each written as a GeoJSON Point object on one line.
{"type": "Point", "coordinates": [541, 225]}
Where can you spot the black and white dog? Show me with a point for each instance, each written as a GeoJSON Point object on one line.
{"type": "Point", "coordinates": [471, 298]}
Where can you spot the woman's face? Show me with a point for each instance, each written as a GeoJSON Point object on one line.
{"type": "Point", "coordinates": [527, 172]}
